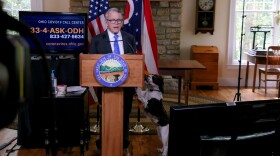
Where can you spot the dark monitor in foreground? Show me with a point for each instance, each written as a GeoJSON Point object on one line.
{"type": "Point", "coordinates": [245, 128]}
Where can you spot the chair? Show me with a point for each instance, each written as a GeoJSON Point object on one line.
{"type": "Point", "coordinates": [272, 67]}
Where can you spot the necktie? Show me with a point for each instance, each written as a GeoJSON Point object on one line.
{"type": "Point", "coordinates": [116, 45]}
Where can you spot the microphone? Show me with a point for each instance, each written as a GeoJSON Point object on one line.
{"type": "Point", "coordinates": [115, 41]}
{"type": "Point", "coordinates": [131, 48]}
{"type": "Point", "coordinates": [133, 51]}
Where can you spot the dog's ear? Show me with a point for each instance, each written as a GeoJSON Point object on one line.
{"type": "Point", "coordinates": [146, 78]}
{"type": "Point", "coordinates": [161, 84]}
{"type": "Point", "coordinates": [158, 79]}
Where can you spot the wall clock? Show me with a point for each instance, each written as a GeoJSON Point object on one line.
{"type": "Point", "coordinates": [205, 16]}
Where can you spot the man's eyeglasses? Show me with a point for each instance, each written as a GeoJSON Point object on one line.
{"type": "Point", "coordinates": [113, 21]}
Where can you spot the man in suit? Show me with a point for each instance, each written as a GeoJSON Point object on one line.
{"type": "Point", "coordinates": [103, 43]}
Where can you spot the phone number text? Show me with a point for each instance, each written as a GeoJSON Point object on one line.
{"type": "Point", "coordinates": [54, 36]}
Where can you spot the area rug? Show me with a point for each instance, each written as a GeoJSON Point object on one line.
{"type": "Point", "coordinates": [148, 127]}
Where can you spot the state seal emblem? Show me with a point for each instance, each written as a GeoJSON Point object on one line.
{"type": "Point", "coordinates": [111, 70]}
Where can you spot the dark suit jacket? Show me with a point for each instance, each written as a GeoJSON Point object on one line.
{"type": "Point", "coordinates": [100, 44]}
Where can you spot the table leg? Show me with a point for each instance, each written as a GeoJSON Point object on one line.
{"type": "Point", "coordinates": [187, 92]}
{"type": "Point", "coordinates": [82, 143]}
{"type": "Point", "coordinates": [179, 89]}
{"type": "Point", "coordinates": [47, 142]}
{"type": "Point", "coordinates": [187, 86]}
{"type": "Point", "coordinates": [247, 74]}
{"type": "Point", "coordinates": [278, 90]}
{"type": "Point", "coordinates": [255, 75]}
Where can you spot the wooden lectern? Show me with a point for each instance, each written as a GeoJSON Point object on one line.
{"type": "Point", "coordinates": [112, 99]}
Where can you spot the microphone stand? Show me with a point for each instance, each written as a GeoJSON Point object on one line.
{"type": "Point", "coordinates": [238, 94]}
{"type": "Point", "coordinates": [138, 127]}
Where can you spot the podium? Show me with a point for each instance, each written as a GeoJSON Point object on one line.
{"type": "Point", "coordinates": [112, 99]}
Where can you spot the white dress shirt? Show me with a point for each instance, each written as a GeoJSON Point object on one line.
{"type": "Point", "coordinates": [120, 41]}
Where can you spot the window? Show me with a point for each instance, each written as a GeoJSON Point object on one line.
{"type": "Point", "coordinates": [259, 19]}
{"type": "Point", "coordinates": [13, 6]}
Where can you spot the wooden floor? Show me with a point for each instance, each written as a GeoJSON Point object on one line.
{"type": "Point", "coordinates": [141, 145]}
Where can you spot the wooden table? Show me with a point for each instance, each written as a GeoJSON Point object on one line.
{"type": "Point", "coordinates": [181, 68]}
{"type": "Point", "coordinates": [256, 59]}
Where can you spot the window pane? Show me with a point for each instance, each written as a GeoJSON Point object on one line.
{"type": "Point", "coordinates": [249, 6]}
{"type": "Point", "coordinates": [269, 6]}
{"type": "Point", "coordinates": [239, 5]}
{"type": "Point", "coordinates": [257, 25]}
{"type": "Point", "coordinates": [259, 6]}
{"type": "Point", "coordinates": [13, 6]}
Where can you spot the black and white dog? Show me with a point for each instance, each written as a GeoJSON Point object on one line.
{"type": "Point", "coordinates": [152, 102]}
